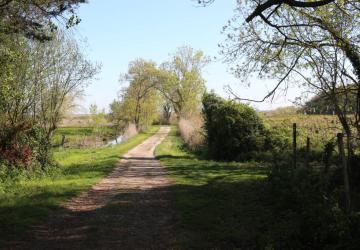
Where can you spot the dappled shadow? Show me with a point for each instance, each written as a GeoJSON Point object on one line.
{"type": "Point", "coordinates": [136, 188]}
{"type": "Point", "coordinates": [215, 206]}
{"type": "Point", "coordinates": [223, 215]}
{"type": "Point", "coordinates": [220, 205]}
{"type": "Point", "coordinates": [133, 219]}
{"type": "Point", "coordinates": [215, 215]}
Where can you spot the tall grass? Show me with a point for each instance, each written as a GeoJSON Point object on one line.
{"type": "Point", "coordinates": [191, 130]}
{"type": "Point", "coordinates": [130, 131]}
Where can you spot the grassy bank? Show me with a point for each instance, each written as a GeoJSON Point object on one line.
{"type": "Point", "coordinates": [25, 201]}
{"type": "Point", "coordinates": [219, 205]}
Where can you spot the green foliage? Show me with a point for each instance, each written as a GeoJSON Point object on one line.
{"type": "Point", "coordinates": [308, 212]}
{"type": "Point", "coordinates": [233, 130]}
{"type": "Point", "coordinates": [25, 147]}
{"type": "Point", "coordinates": [175, 87]}
{"type": "Point", "coordinates": [98, 118]}
{"type": "Point", "coordinates": [181, 81]}
{"type": "Point", "coordinates": [39, 82]}
{"type": "Point", "coordinates": [322, 104]}
{"type": "Point", "coordinates": [140, 100]}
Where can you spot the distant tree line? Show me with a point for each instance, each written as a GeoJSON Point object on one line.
{"type": "Point", "coordinates": [323, 104]}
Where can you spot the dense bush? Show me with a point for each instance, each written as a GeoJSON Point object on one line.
{"type": "Point", "coordinates": [233, 130]}
{"type": "Point", "coordinates": [24, 147]}
{"type": "Point", "coordinates": [308, 208]}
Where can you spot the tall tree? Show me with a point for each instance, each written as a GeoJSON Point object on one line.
{"type": "Point", "coordinates": [181, 81]}
{"type": "Point", "coordinates": [139, 100]}
{"type": "Point", "coordinates": [314, 42]}
{"type": "Point", "coordinates": [44, 80]}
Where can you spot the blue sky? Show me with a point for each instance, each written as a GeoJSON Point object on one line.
{"type": "Point", "coordinates": [117, 32]}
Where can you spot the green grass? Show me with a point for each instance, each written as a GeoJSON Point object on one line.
{"type": "Point", "coordinates": [27, 201]}
{"type": "Point", "coordinates": [219, 205]}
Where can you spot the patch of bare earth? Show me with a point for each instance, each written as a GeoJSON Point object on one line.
{"type": "Point", "coordinates": [129, 209]}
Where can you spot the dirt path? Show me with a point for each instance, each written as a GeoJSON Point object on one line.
{"type": "Point", "coordinates": [129, 209]}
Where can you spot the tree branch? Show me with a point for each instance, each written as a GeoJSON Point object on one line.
{"type": "Point", "coordinates": [294, 3]}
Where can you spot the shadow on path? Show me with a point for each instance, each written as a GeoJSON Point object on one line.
{"type": "Point", "coordinates": [129, 209]}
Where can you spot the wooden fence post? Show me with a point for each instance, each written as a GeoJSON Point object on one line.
{"type": "Point", "coordinates": [294, 145]}
{"type": "Point", "coordinates": [307, 152]}
{"type": "Point", "coordinates": [340, 138]}
{"type": "Point", "coordinates": [62, 140]}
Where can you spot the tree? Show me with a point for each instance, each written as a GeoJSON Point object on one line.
{"type": "Point", "coordinates": [37, 19]}
{"type": "Point", "coordinates": [118, 115]}
{"type": "Point", "coordinates": [181, 82]}
{"type": "Point", "coordinates": [176, 86]}
{"type": "Point", "coordinates": [322, 104]}
{"type": "Point", "coordinates": [313, 42]}
{"type": "Point", "coordinates": [139, 101]}
{"type": "Point", "coordinates": [257, 8]}
{"type": "Point", "coordinates": [167, 111]}
{"type": "Point", "coordinates": [97, 117]}
{"type": "Point", "coordinates": [64, 73]}
{"type": "Point", "coordinates": [43, 81]}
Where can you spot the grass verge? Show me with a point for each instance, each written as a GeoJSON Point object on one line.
{"type": "Point", "coordinates": [219, 205]}
{"type": "Point", "coordinates": [26, 201]}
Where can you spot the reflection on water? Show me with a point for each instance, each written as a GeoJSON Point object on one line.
{"type": "Point", "coordinates": [117, 140]}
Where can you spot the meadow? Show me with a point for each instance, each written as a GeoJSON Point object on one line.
{"type": "Point", "coordinates": [319, 128]}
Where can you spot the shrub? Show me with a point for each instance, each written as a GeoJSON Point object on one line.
{"type": "Point", "coordinates": [24, 147]}
{"type": "Point", "coordinates": [233, 130]}
{"type": "Point", "coordinates": [308, 213]}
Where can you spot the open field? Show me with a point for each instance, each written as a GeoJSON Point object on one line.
{"type": "Point", "coordinates": [320, 128]}
{"type": "Point", "coordinates": [26, 201]}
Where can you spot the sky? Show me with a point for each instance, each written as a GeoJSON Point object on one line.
{"type": "Point", "coordinates": [116, 32]}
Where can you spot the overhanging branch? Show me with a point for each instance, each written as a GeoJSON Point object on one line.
{"type": "Point", "coordinates": [294, 3]}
